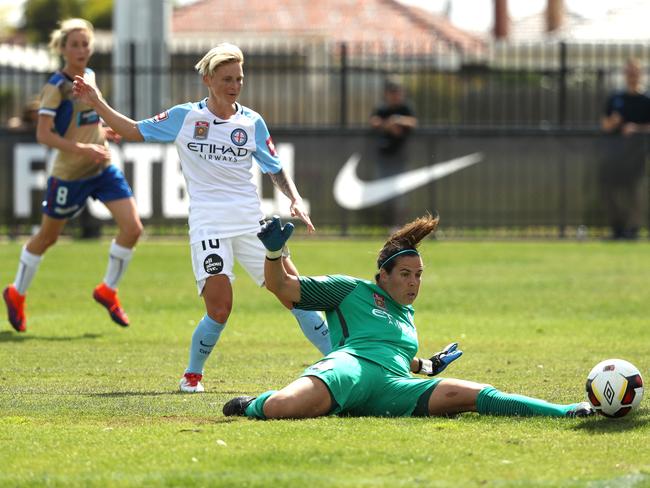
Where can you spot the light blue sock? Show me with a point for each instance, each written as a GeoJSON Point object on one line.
{"type": "Point", "coordinates": [204, 339]}
{"type": "Point", "coordinates": [315, 328]}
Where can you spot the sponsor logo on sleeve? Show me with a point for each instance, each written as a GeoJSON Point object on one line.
{"type": "Point", "coordinates": [161, 116]}
{"type": "Point", "coordinates": [271, 146]}
{"type": "Point", "coordinates": [239, 137]}
{"type": "Point", "coordinates": [201, 129]}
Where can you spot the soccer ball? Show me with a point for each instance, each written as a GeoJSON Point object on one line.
{"type": "Point", "coordinates": [614, 387]}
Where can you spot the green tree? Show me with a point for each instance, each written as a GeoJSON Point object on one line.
{"type": "Point", "coordinates": [42, 16]}
{"type": "Point", "coordinates": [99, 13]}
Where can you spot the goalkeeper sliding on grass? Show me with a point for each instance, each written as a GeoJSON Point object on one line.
{"type": "Point", "coordinates": [368, 372]}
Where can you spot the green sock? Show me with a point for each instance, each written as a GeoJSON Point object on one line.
{"type": "Point", "coordinates": [256, 408]}
{"type": "Point", "coordinates": [491, 401]}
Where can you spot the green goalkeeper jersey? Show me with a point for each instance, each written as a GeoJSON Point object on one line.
{"type": "Point", "coordinates": [363, 320]}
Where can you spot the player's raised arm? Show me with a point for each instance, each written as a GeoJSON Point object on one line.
{"type": "Point", "coordinates": [286, 185]}
{"type": "Point", "coordinates": [274, 235]}
{"type": "Point", "coordinates": [120, 123]}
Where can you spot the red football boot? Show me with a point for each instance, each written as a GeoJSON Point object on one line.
{"type": "Point", "coordinates": [15, 308]}
{"type": "Point", "coordinates": [108, 297]}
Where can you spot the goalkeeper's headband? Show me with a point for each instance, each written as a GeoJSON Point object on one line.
{"type": "Point", "coordinates": [405, 251]}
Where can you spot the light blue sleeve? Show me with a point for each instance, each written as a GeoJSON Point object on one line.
{"type": "Point", "coordinates": [165, 126]}
{"type": "Point", "coordinates": [265, 154]}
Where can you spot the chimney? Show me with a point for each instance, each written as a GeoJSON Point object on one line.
{"type": "Point", "coordinates": [501, 19]}
{"type": "Point", "coordinates": [554, 14]}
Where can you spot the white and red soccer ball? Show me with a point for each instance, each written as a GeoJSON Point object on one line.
{"type": "Point", "coordinates": [614, 387]}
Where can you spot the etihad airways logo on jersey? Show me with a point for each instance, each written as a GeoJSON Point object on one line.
{"type": "Point", "coordinates": [216, 152]}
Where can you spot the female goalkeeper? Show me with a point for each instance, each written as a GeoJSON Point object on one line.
{"type": "Point", "coordinates": [368, 372]}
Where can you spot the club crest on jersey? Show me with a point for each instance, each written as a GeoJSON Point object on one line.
{"type": "Point", "coordinates": [161, 116]}
{"type": "Point", "coordinates": [271, 146]}
{"type": "Point", "coordinates": [239, 137]}
{"type": "Point", "coordinates": [201, 129]}
{"type": "Point", "coordinates": [380, 301]}
{"type": "Point", "coordinates": [213, 264]}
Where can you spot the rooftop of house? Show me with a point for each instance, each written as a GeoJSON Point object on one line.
{"type": "Point", "coordinates": [368, 21]}
{"type": "Point", "coordinates": [622, 22]}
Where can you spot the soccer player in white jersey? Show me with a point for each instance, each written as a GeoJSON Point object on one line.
{"type": "Point", "coordinates": [218, 140]}
{"type": "Point", "coordinates": [82, 169]}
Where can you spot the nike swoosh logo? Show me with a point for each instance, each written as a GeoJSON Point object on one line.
{"type": "Point", "coordinates": [353, 194]}
{"type": "Point", "coordinates": [207, 345]}
{"type": "Point", "coordinates": [219, 123]}
{"type": "Point", "coordinates": [320, 326]}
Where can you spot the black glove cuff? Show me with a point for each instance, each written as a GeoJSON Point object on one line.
{"type": "Point", "coordinates": [436, 364]}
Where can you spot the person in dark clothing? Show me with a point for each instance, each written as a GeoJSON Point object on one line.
{"type": "Point", "coordinates": [627, 114]}
{"type": "Point", "coordinates": [393, 121]}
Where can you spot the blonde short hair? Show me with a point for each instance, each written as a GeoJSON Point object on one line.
{"type": "Point", "coordinates": [218, 55]}
{"type": "Point", "coordinates": [59, 36]}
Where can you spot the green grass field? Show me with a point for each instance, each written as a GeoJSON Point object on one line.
{"type": "Point", "coordinates": [86, 403]}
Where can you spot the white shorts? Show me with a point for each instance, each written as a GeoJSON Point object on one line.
{"type": "Point", "coordinates": [212, 257]}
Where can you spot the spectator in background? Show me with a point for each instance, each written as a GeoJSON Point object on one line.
{"type": "Point", "coordinates": [627, 114]}
{"type": "Point", "coordinates": [392, 121]}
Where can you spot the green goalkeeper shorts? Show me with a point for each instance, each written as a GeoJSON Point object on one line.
{"type": "Point", "coordinates": [363, 388]}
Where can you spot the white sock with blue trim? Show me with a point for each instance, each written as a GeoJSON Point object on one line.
{"type": "Point", "coordinates": [119, 258]}
{"type": "Point", "coordinates": [26, 270]}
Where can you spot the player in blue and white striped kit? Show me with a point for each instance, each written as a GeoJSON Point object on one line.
{"type": "Point", "coordinates": [217, 141]}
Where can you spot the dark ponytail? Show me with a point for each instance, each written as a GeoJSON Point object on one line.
{"type": "Point", "coordinates": [405, 241]}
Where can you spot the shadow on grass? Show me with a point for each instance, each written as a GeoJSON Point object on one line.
{"type": "Point", "coordinates": [9, 336]}
{"type": "Point", "coordinates": [604, 425]}
{"type": "Point", "coordinates": [118, 394]}
{"type": "Point", "coordinates": [121, 394]}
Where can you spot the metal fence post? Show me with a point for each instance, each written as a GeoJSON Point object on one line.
{"type": "Point", "coordinates": [343, 115]}
{"type": "Point", "coordinates": [562, 111]}
{"type": "Point", "coordinates": [132, 75]}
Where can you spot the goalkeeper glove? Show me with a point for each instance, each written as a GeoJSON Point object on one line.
{"type": "Point", "coordinates": [274, 235]}
{"type": "Point", "coordinates": [440, 360]}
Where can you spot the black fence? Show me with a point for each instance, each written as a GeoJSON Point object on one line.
{"type": "Point", "coordinates": [543, 85]}
{"type": "Point", "coordinates": [517, 125]}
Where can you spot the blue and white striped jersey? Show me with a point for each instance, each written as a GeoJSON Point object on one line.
{"type": "Point", "coordinates": [217, 159]}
